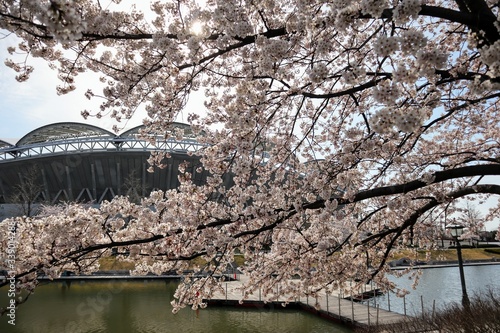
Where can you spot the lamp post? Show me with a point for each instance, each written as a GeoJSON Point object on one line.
{"type": "Point", "coordinates": [456, 231]}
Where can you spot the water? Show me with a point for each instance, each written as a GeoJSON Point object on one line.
{"type": "Point", "coordinates": [143, 307]}
{"type": "Point", "coordinates": [440, 286]}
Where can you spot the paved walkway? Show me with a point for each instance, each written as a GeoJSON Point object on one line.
{"type": "Point", "coordinates": [332, 306]}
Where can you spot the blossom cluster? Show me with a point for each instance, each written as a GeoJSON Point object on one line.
{"type": "Point", "coordinates": [410, 42]}
{"type": "Point", "coordinates": [386, 93]}
{"type": "Point", "coordinates": [491, 57]}
{"type": "Point", "coordinates": [62, 19]}
{"type": "Point", "coordinates": [412, 46]}
{"type": "Point", "coordinates": [385, 119]}
{"type": "Point", "coordinates": [374, 8]}
{"type": "Point", "coordinates": [386, 46]}
{"type": "Point", "coordinates": [232, 18]}
{"type": "Point", "coordinates": [406, 10]}
{"type": "Point", "coordinates": [354, 75]}
{"type": "Point", "coordinates": [319, 72]}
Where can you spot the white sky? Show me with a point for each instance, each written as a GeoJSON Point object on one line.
{"type": "Point", "coordinates": [28, 105]}
{"type": "Point", "coordinates": [35, 103]}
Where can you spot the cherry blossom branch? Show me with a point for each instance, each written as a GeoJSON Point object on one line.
{"type": "Point", "coordinates": [412, 220]}
{"type": "Point", "coordinates": [436, 177]}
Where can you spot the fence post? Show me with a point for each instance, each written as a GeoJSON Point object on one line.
{"type": "Point", "coordinates": [422, 304]}
{"type": "Point", "coordinates": [389, 300]}
{"type": "Point", "coordinates": [340, 294]}
{"type": "Point", "coordinates": [374, 295]}
{"type": "Point", "coordinates": [404, 304]}
{"type": "Point", "coordinates": [352, 306]}
{"type": "Point", "coordinates": [368, 308]}
{"type": "Point", "coordinates": [327, 309]}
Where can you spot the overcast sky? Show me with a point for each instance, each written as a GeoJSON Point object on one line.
{"type": "Point", "coordinates": [29, 105]}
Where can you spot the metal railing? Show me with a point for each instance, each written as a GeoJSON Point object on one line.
{"type": "Point", "coordinates": [96, 144]}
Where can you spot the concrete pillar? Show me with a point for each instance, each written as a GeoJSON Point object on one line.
{"type": "Point", "coordinates": [94, 183]}
{"type": "Point", "coordinates": [70, 187]}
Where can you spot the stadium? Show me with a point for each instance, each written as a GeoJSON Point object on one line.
{"type": "Point", "coordinates": [67, 162]}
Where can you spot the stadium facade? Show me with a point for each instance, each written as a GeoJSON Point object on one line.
{"type": "Point", "coordinates": [67, 162]}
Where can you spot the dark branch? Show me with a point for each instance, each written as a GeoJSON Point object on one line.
{"type": "Point", "coordinates": [438, 177]}
{"type": "Point", "coordinates": [412, 220]}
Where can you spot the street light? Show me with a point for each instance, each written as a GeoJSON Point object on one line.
{"type": "Point", "coordinates": [456, 231]}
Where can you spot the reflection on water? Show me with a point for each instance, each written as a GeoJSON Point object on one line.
{"type": "Point", "coordinates": [440, 286]}
{"type": "Point", "coordinates": [143, 307]}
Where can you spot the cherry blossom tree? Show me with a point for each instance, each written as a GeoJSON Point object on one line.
{"type": "Point", "coordinates": [343, 125]}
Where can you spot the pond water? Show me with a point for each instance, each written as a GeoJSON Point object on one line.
{"type": "Point", "coordinates": [438, 287]}
{"type": "Point", "coordinates": [143, 306]}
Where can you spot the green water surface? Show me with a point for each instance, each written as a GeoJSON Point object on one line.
{"type": "Point", "coordinates": [143, 307]}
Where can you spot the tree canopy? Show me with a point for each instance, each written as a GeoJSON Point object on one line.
{"type": "Point", "coordinates": [349, 129]}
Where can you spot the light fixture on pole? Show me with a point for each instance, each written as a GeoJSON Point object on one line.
{"type": "Point", "coordinates": [456, 230]}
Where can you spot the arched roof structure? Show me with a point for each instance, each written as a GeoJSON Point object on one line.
{"type": "Point", "coordinates": [81, 162]}
{"type": "Point", "coordinates": [4, 144]}
{"type": "Point", "coordinates": [61, 138]}
{"type": "Point", "coordinates": [188, 133]}
{"type": "Point", "coordinates": [62, 131]}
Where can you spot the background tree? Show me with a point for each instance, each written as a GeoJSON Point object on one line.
{"type": "Point", "coordinates": [471, 218]}
{"type": "Point", "coordinates": [134, 187]}
{"type": "Point", "coordinates": [29, 191]}
{"type": "Point", "coordinates": [341, 123]}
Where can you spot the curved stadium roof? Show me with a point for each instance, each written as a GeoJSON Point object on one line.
{"type": "Point", "coordinates": [62, 131]}
{"type": "Point", "coordinates": [4, 144]}
{"type": "Point", "coordinates": [81, 162]}
{"type": "Point", "coordinates": [65, 137]}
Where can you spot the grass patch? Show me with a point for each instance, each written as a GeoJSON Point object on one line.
{"type": "Point", "coordinates": [239, 260]}
{"type": "Point", "coordinates": [450, 254]}
{"type": "Point", "coordinates": [471, 254]}
{"type": "Point", "coordinates": [113, 264]}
